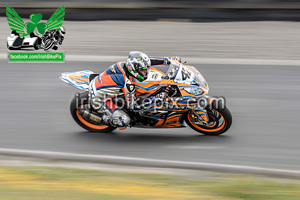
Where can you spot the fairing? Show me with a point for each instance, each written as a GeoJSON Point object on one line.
{"type": "Point", "coordinates": [190, 83]}
{"type": "Point", "coordinates": [189, 80]}
{"type": "Point", "coordinates": [78, 79]}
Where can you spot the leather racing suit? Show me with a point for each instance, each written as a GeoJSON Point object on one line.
{"type": "Point", "coordinates": [110, 84]}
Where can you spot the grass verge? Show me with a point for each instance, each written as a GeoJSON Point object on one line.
{"type": "Point", "coordinates": [32, 183]}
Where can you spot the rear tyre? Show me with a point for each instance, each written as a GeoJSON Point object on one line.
{"type": "Point", "coordinates": [76, 103]}
{"type": "Point", "coordinates": [220, 120]}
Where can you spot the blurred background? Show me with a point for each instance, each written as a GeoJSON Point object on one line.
{"type": "Point", "coordinates": [255, 29]}
{"type": "Point", "coordinates": [188, 10]}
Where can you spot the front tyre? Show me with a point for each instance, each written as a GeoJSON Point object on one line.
{"type": "Point", "coordinates": [220, 120]}
{"type": "Point", "coordinates": [77, 102]}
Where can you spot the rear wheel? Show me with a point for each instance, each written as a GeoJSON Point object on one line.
{"type": "Point", "coordinates": [76, 104]}
{"type": "Point", "coordinates": [220, 120]}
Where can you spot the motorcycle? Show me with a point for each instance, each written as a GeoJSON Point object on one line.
{"type": "Point", "coordinates": [51, 39]}
{"type": "Point", "coordinates": [182, 94]}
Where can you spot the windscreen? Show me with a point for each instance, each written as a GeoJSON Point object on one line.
{"type": "Point", "coordinates": [187, 75]}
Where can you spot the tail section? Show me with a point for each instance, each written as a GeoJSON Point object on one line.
{"type": "Point", "coordinates": [78, 79]}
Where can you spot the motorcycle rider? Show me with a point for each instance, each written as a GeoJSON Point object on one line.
{"type": "Point", "coordinates": [109, 84]}
{"type": "Point", "coordinates": [55, 35]}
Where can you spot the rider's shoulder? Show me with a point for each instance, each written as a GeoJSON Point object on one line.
{"type": "Point", "coordinates": [116, 68]}
{"type": "Point", "coordinates": [112, 69]}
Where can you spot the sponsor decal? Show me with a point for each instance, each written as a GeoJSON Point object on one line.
{"type": "Point", "coordinates": [130, 87]}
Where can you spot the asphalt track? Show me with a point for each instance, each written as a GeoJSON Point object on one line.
{"type": "Point", "coordinates": [264, 101]}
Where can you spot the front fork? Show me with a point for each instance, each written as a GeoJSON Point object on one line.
{"type": "Point", "coordinates": [199, 117]}
{"type": "Point", "coordinates": [201, 114]}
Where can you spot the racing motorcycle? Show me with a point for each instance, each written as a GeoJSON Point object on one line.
{"type": "Point", "coordinates": [182, 92]}
{"type": "Point", "coordinates": [51, 39]}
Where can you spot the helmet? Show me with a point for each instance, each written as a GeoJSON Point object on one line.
{"type": "Point", "coordinates": [138, 64]}
{"type": "Point", "coordinates": [62, 30]}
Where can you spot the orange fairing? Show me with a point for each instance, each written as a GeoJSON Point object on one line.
{"type": "Point", "coordinates": [141, 88]}
{"type": "Point", "coordinates": [167, 82]}
{"type": "Point", "coordinates": [172, 121]}
{"type": "Point", "coordinates": [156, 70]}
{"type": "Point", "coordinates": [149, 85]}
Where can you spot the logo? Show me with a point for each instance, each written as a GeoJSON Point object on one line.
{"type": "Point", "coordinates": [130, 87]}
{"type": "Point", "coordinates": [35, 34]}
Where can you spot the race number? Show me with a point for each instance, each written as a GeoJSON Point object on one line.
{"type": "Point", "coordinates": [185, 74]}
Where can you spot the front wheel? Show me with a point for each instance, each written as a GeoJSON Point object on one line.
{"type": "Point", "coordinates": [78, 102]}
{"type": "Point", "coordinates": [220, 120]}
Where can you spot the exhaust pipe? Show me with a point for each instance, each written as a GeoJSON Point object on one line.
{"type": "Point", "coordinates": [90, 117]}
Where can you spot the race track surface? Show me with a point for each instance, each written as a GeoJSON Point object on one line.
{"type": "Point", "coordinates": [264, 101]}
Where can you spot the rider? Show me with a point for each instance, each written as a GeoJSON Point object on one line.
{"type": "Point", "coordinates": [57, 35]}
{"type": "Point", "coordinates": [104, 87]}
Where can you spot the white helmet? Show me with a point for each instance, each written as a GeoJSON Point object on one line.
{"type": "Point", "coordinates": [138, 64]}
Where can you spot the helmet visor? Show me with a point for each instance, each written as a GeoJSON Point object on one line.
{"type": "Point", "coordinates": [140, 69]}
{"type": "Point", "coordinates": [144, 71]}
